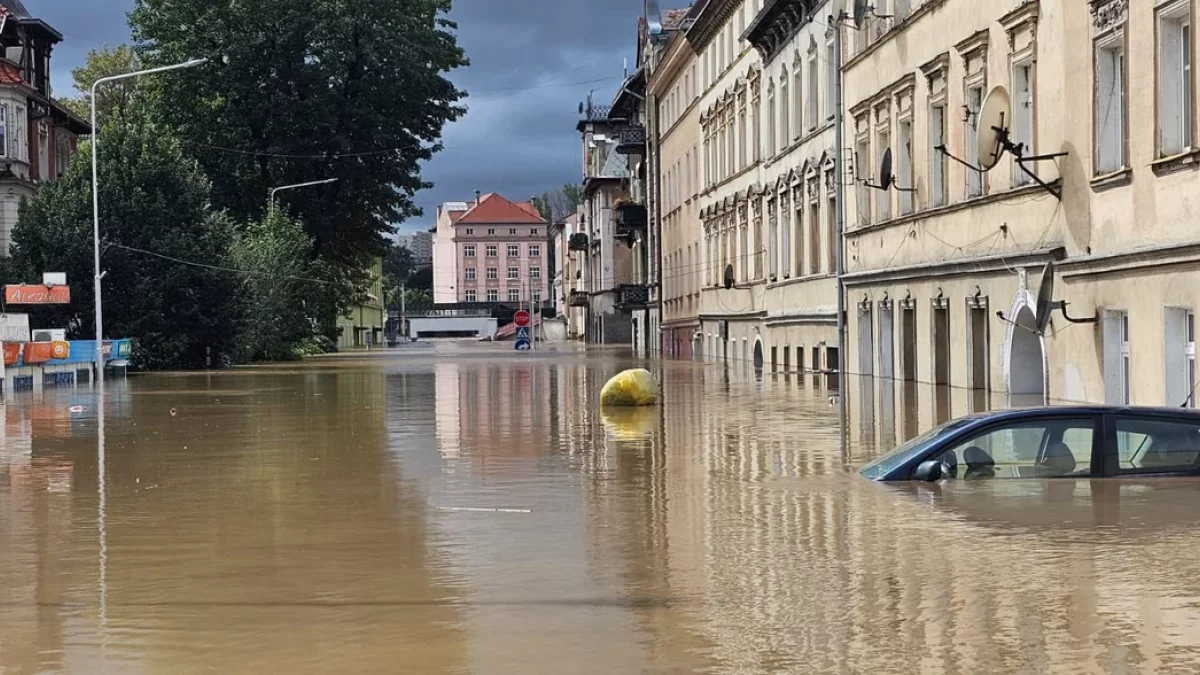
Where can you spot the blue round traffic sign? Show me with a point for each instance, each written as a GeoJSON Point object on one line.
{"type": "Point", "coordinates": [522, 345]}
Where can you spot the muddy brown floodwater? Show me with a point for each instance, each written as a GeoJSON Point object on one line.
{"type": "Point", "coordinates": [468, 510]}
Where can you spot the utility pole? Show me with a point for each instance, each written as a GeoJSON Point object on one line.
{"type": "Point", "coordinates": [404, 310]}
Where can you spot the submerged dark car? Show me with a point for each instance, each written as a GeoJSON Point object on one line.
{"type": "Point", "coordinates": [1051, 442]}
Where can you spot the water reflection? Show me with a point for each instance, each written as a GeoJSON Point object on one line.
{"type": "Point", "coordinates": [473, 511]}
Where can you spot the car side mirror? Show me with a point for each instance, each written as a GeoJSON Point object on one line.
{"type": "Point", "coordinates": [930, 471]}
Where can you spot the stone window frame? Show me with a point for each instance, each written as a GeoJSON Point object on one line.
{"type": "Point", "coordinates": [1018, 23]}
{"type": "Point", "coordinates": [881, 118]}
{"type": "Point", "coordinates": [937, 82]}
{"type": "Point", "coordinates": [1110, 21]}
{"type": "Point", "coordinates": [1170, 10]}
{"type": "Point", "coordinates": [862, 137]}
{"type": "Point", "coordinates": [974, 54]}
{"type": "Point", "coordinates": [902, 92]}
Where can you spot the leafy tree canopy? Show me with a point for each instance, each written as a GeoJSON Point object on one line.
{"type": "Point", "coordinates": [555, 205]}
{"type": "Point", "coordinates": [300, 91]}
{"type": "Point", "coordinates": [114, 100]}
{"type": "Point", "coordinates": [154, 208]}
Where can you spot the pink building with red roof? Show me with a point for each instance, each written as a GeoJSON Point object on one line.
{"type": "Point", "coordinates": [491, 250]}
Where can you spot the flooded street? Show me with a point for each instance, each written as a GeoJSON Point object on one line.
{"type": "Point", "coordinates": [468, 510]}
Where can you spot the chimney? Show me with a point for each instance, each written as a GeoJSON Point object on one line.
{"type": "Point", "coordinates": [477, 194]}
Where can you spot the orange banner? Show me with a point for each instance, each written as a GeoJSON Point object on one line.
{"type": "Point", "coordinates": [12, 353]}
{"type": "Point", "coordinates": [37, 295]}
{"type": "Point", "coordinates": [38, 352]}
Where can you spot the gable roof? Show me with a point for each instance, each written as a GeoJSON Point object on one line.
{"type": "Point", "coordinates": [493, 209]}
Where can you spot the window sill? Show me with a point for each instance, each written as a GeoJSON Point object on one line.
{"type": "Point", "coordinates": [1188, 159]}
{"type": "Point", "coordinates": [1112, 180]}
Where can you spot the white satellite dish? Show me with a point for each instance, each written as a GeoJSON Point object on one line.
{"type": "Point", "coordinates": [993, 124]}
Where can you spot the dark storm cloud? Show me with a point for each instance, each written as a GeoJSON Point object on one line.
{"type": "Point", "coordinates": [532, 62]}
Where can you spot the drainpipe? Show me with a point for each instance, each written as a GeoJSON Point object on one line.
{"type": "Point", "coordinates": [840, 191]}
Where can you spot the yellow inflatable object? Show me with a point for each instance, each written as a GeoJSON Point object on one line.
{"type": "Point", "coordinates": [630, 424]}
{"type": "Point", "coordinates": [630, 388]}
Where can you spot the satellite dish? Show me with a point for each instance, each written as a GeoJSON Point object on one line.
{"type": "Point", "coordinates": [886, 177]}
{"type": "Point", "coordinates": [994, 119]}
{"type": "Point", "coordinates": [729, 280]}
{"type": "Point", "coordinates": [653, 18]}
{"type": "Point", "coordinates": [581, 107]}
{"type": "Point", "coordinates": [1045, 301]}
{"type": "Point", "coordinates": [861, 7]}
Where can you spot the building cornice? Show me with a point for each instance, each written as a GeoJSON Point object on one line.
{"type": "Point", "coordinates": [714, 15]}
{"type": "Point", "coordinates": [1148, 257]}
{"type": "Point", "coordinates": [777, 23]}
{"type": "Point", "coordinates": [1000, 262]}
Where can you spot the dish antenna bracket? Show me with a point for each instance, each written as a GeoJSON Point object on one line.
{"type": "Point", "coordinates": [887, 179]}
{"type": "Point", "coordinates": [861, 8]}
{"type": "Point", "coordinates": [995, 138]}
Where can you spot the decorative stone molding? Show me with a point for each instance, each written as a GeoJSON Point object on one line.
{"type": "Point", "coordinates": [1108, 15]}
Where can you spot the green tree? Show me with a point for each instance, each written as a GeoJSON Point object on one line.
{"type": "Point", "coordinates": [114, 100]}
{"type": "Point", "coordinates": [162, 250]}
{"type": "Point", "coordinates": [557, 204]}
{"type": "Point", "coordinates": [280, 287]}
{"type": "Point", "coordinates": [297, 91]}
{"type": "Point", "coordinates": [397, 263]}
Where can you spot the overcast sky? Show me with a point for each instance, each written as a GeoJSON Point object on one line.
{"type": "Point", "coordinates": [533, 61]}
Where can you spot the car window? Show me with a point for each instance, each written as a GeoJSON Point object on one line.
{"type": "Point", "coordinates": [1149, 445]}
{"type": "Point", "coordinates": [1048, 448]}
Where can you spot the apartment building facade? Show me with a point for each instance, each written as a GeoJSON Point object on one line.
{"type": "Point", "coordinates": [675, 88]}
{"type": "Point", "coordinates": [38, 135]}
{"type": "Point", "coordinates": [767, 179]}
{"type": "Point", "coordinates": [494, 251]}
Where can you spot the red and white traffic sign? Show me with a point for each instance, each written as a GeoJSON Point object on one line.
{"type": "Point", "coordinates": [521, 318]}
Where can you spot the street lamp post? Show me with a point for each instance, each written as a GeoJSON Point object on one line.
{"type": "Point", "coordinates": [96, 200]}
{"type": "Point", "coordinates": [274, 191]}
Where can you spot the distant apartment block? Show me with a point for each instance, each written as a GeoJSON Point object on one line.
{"type": "Point", "coordinates": [490, 250]}
{"type": "Point", "coordinates": [420, 244]}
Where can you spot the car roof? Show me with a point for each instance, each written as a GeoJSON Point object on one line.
{"type": "Point", "coordinates": [1058, 410]}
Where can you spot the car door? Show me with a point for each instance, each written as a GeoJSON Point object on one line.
{"type": "Point", "coordinates": [1148, 444]}
{"type": "Point", "coordinates": [1050, 446]}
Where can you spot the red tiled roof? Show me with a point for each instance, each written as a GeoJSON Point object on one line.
{"type": "Point", "coordinates": [493, 209]}
{"type": "Point", "coordinates": [455, 216]}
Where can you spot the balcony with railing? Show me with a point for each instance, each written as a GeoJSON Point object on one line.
{"type": "Point", "coordinates": [577, 299]}
{"type": "Point", "coordinates": [631, 140]}
{"type": "Point", "coordinates": [633, 296]}
{"type": "Point", "coordinates": [578, 242]}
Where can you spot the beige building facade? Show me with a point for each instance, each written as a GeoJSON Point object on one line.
{"type": "Point", "coordinates": [943, 280]}
{"type": "Point", "coordinates": [768, 184]}
{"type": "Point", "coordinates": [674, 84]}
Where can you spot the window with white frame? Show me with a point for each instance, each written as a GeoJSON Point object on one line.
{"type": "Point", "coordinates": [742, 134]}
{"type": "Point", "coordinates": [493, 295]}
{"type": "Point", "coordinates": [814, 96]}
{"type": "Point", "coordinates": [514, 273]}
{"type": "Point", "coordinates": [469, 251]}
{"type": "Point", "coordinates": [937, 160]}
{"type": "Point", "coordinates": [535, 250]}
{"type": "Point", "coordinates": [1179, 357]}
{"type": "Point", "coordinates": [785, 247]}
{"type": "Point", "coordinates": [785, 112]}
{"type": "Point", "coordinates": [904, 166]}
{"type": "Point", "coordinates": [831, 75]}
{"type": "Point", "coordinates": [493, 273]}
{"type": "Point", "coordinates": [773, 235]}
{"type": "Point", "coordinates": [862, 169]}
{"type": "Point", "coordinates": [1109, 115]}
{"type": "Point", "coordinates": [1022, 103]}
{"type": "Point", "coordinates": [537, 297]}
{"type": "Point", "coordinates": [470, 296]}
{"type": "Point", "coordinates": [798, 95]}
{"type": "Point", "coordinates": [492, 250]}
{"type": "Point", "coordinates": [772, 120]}
{"type": "Point", "coordinates": [1116, 357]}
{"type": "Point", "coordinates": [20, 136]}
{"type": "Point", "coordinates": [971, 128]}
{"type": "Point", "coordinates": [470, 274]}
{"type": "Point", "coordinates": [535, 273]}
{"type": "Point", "coordinates": [513, 250]}
{"type": "Point", "coordinates": [883, 198]}
{"type": "Point", "coordinates": [514, 295]}
{"type": "Point", "coordinates": [1175, 77]}
{"type": "Point", "coordinates": [4, 130]}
